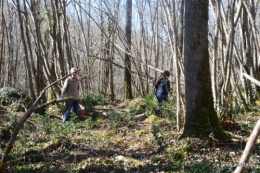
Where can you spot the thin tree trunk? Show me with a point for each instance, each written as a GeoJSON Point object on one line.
{"type": "Point", "coordinates": [26, 58]}
{"type": "Point", "coordinates": [215, 53]}
{"type": "Point", "coordinates": [128, 30]}
{"type": "Point", "coordinates": [2, 42]}
{"type": "Point", "coordinates": [67, 44]}
{"type": "Point", "coordinates": [170, 14]}
{"type": "Point", "coordinates": [57, 35]}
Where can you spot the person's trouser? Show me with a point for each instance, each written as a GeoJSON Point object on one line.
{"type": "Point", "coordinates": [161, 97]}
{"type": "Point", "coordinates": [74, 104]}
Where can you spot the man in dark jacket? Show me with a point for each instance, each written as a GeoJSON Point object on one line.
{"type": "Point", "coordinates": [162, 87]}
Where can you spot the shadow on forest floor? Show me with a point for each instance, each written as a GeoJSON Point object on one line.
{"type": "Point", "coordinates": [117, 142]}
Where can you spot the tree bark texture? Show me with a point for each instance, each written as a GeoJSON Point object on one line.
{"type": "Point", "coordinates": [201, 118]}
{"type": "Point", "coordinates": [2, 40]}
{"type": "Point", "coordinates": [128, 30]}
{"type": "Point", "coordinates": [26, 56]}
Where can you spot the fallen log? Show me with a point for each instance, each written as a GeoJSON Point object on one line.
{"type": "Point", "coordinates": [27, 114]}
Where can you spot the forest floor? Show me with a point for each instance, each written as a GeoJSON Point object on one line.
{"type": "Point", "coordinates": [111, 139]}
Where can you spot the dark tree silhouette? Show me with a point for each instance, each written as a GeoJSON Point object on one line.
{"type": "Point", "coordinates": [201, 119]}
{"type": "Point", "coordinates": [128, 30]}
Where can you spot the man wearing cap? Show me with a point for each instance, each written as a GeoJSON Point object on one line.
{"type": "Point", "coordinates": [71, 88]}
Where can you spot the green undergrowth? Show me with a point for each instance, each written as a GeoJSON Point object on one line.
{"type": "Point", "coordinates": [134, 139]}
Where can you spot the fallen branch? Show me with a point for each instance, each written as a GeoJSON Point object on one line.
{"type": "Point", "coordinates": [252, 139]}
{"type": "Point", "coordinates": [248, 149]}
{"type": "Point", "coordinates": [110, 109]}
{"type": "Point", "coordinates": [51, 102]}
{"type": "Point", "coordinates": [252, 79]}
{"type": "Point", "coordinates": [20, 124]}
{"type": "Point", "coordinates": [139, 117]}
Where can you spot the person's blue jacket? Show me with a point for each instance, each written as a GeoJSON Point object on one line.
{"type": "Point", "coordinates": [162, 87]}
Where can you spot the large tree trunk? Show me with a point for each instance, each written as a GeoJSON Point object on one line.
{"type": "Point", "coordinates": [201, 119]}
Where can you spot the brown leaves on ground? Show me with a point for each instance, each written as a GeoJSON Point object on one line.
{"type": "Point", "coordinates": [126, 144]}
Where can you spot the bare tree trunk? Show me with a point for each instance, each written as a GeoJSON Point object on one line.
{"type": "Point", "coordinates": [11, 62]}
{"type": "Point", "coordinates": [28, 41]}
{"type": "Point", "coordinates": [247, 55]}
{"type": "Point", "coordinates": [57, 37]}
{"type": "Point", "coordinates": [252, 41]}
{"type": "Point", "coordinates": [201, 119]}
{"type": "Point", "coordinates": [2, 42]}
{"type": "Point", "coordinates": [70, 61]}
{"type": "Point", "coordinates": [231, 16]}
{"type": "Point", "coordinates": [215, 53]}
{"type": "Point", "coordinates": [102, 40]}
{"type": "Point", "coordinates": [112, 52]}
{"type": "Point", "coordinates": [26, 58]}
{"type": "Point", "coordinates": [178, 64]}
{"type": "Point", "coordinates": [111, 72]}
{"type": "Point", "coordinates": [128, 30]}
{"type": "Point", "coordinates": [142, 46]}
{"type": "Point", "coordinates": [171, 19]}
{"type": "Point", "coordinates": [107, 56]}
{"type": "Point", "coordinates": [40, 68]}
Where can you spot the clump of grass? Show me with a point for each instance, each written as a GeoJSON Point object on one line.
{"type": "Point", "coordinates": [168, 110]}
{"type": "Point", "coordinates": [136, 107]}
{"type": "Point", "coordinates": [177, 151]}
{"type": "Point", "coordinates": [151, 119]}
{"type": "Point", "coordinates": [198, 166]}
{"type": "Point", "coordinates": [140, 132]}
{"type": "Point", "coordinates": [9, 95]}
{"type": "Point", "coordinates": [150, 102]}
{"type": "Point", "coordinates": [92, 99]}
{"type": "Point", "coordinates": [145, 104]}
{"type": "Point", "coordinates": [57, 109]}
{"type": "Point", "coordinates": [115, 119]}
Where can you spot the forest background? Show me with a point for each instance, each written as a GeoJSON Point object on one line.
{"type": "Point", "coordinates": [42, 40]}
{"type": "Point", "coordinates": [122, 48]}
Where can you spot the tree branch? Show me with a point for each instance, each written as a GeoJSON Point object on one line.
{"type": "Point", "coordinates": [252, 79]}
{"type": "Point", "coordinates": [27, 114]}
{"type": "Point", "coordinates": [248, 149]}
{"type": "Point", "coordinates": [252, 139]}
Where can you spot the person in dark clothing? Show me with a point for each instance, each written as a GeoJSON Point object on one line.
{"type": "Point", "coordinates": [162, 88]}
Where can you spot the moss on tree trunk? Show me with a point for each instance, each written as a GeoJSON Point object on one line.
{"type": "Point", "coordinates": [201, 119]}
{"type": "Point", "coordinates": [203, 123]}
